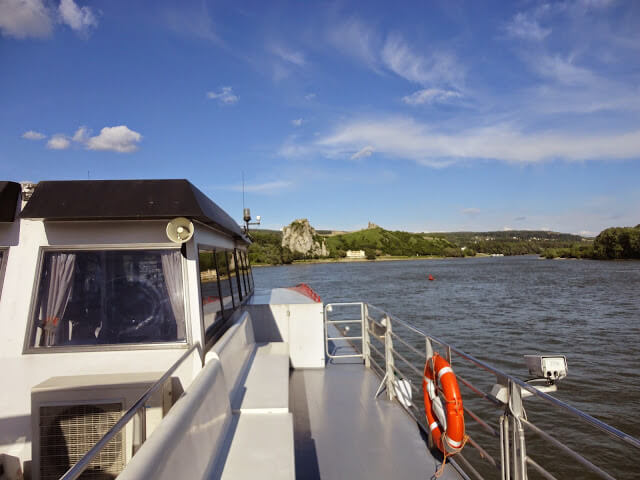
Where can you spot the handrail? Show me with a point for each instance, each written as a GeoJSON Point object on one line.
{"type": "Point", "coordinates": [612, 431]}
{"type": "Point", "coordinates": [382, 329]}
{"type": "Point", "coordinates": [76, 470]}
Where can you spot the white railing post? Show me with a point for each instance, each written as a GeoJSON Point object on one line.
{"type": "Point", "coordinates": [516, 411]}
{"type": "Point", "coordinates": [428, 349]}
{"type": "Point", "coordinates": [366, 351]}
{"type": "Point", "coordinates": [388, 356]}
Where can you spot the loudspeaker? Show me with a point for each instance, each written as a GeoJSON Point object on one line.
{"type": "Point", "coordinates": [180, 230]}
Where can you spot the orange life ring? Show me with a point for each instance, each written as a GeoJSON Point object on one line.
{"type": "Point", "coordinates": [447, 428]}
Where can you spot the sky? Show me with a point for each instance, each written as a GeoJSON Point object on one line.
{"type": "Point", "coordinates": [420, 116]}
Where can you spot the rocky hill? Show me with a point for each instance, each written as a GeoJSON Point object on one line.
{"type": "Point", "coordinates": [300, 237]}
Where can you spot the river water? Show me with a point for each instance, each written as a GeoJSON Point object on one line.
{"type": "Point", "coordinates": [498, 309]}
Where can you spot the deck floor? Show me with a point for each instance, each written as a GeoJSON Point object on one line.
{"type": "Point", "coordinates": [342, 432]}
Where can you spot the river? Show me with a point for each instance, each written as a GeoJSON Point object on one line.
{"type": "Point", "coordinates": [499, 309]}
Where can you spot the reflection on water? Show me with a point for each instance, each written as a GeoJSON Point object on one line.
{"type": "Point", "coordinates": [499, 309]}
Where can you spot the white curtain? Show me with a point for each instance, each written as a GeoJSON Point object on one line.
{"type": "Point", "coordinates": [60, 281]}
{"type": "Point", "coordinates": [172, 270]}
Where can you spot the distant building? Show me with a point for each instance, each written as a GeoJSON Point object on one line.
{"type": "Point", "coordinates": [355, 254]}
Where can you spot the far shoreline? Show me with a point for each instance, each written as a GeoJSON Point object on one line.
{"type": "Point", "coordinates": [362, 260]}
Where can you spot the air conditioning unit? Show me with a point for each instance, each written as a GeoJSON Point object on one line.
{"type": "Point", "coordinates": [70, 414]}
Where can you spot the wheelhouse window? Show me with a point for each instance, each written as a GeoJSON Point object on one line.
{"type": "Point", "coordinates": [226, 285]}
{"type": "Point", "coordinates": [240, 274]}
{"type": "Point", "coordinates": [233, 278]}
{"type": "Point", "coordinates": [109, 297]}
{"type": "Point", "coordinates": [245, 271]}
{"type": "Point", "coordinates": [249, 272]}
{"type": "Point", "coordinates": [212, 310]}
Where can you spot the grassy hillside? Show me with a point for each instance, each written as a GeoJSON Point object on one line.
{"type": "Point", "coordinates": [385, 242]}
{"type": "Point", "coordinates": [267, 248]}
{"type": "Point", "coordinates": [514, 242]}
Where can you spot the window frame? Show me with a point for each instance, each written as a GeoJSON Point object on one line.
{"type": "Point", "coordinates": [4, 256]}
{"type": "Point", "coordinates": [178, 344]}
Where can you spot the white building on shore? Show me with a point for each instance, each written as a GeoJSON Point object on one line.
{"type": "Point", "coordinates": [355, 254]}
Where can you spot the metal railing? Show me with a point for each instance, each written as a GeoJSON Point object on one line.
{"type": "Point", "coordinates": [137, 411]}
{"type": "Point", "coordinates": [380, 333]}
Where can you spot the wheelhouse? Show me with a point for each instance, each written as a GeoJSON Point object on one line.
{"type": "Point", "coordinates": [91, 284]}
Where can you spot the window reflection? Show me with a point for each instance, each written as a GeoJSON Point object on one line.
{"type": "Point", "coordinates": [226, 288]}
{"type": "Point", "coordinates": [209, 288]}
{"type": "Point", "coordinates": [245, 279]}
{"type": "Point", "coordinates": [240, 273]}
{"type": "Point", "coordinates": [109, 297]}
{"type": "Point", "coordinates": [233, 278]}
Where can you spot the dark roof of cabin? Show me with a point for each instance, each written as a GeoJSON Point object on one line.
{"type": "Point", "coordinates": [126, 200]}
{"type": "Point", "coordinates": [9, 194]}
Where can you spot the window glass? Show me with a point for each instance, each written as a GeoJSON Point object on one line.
{"type": "Point", "coordinates": [226, 287]}
{"type": "Point", "coordinates": [233, 278]}
{"type": "Point", "coordinates": [245, 272]}
{"type": "Point", "coordinates": [109, 297]}
{"type": "Point", "coordinates": [209, 288]}
{"type": "Point", "coordinates": [250, 273]}
{"type": "Point", "coordinates": [240, 269]}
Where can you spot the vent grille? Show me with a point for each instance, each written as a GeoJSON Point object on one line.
{"type": "Point", "coordinates": [67, 432]}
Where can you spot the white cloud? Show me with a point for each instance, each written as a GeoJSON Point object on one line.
{"type": "Point", "coordinates": [25, 18]}
{"type": "Point", "coordinates": [81, 135]}
{"type": "Point", "coordinates": [355, 39]}
{"type": "Point", "coordinates": [439, 68]}
{"type": "Point", "coordinates": [297, 122]}
{"type": "Point", "coordinates": [191, 21]}
{"type": "Point", "coordinates": [310, 96]}
{"type": "Point", "coordinates": [405, 138]}
{"type": "Point", "coordinates": [267, 187]}
{"type": "Point", "coordinates": [58, 142]}
{"type": "Point", "coordinates": [224, 95]}
{"type": "Point", "coordinates": [524, 25]}
{"type": "Point", "coordinates": [363, 153]}
{"type": "Point", "coordinates": [430, 95]}
{"type": "Point", "coordinates": [288, 55]}
{"type": "Point", "coordinates": [80, 19]}
{"type": "Point", "coordinates": [117, 139]}
{"type": "Point", "coordinates": [563, 71]}
{"type": "Point", "coordinates": [33, 135]}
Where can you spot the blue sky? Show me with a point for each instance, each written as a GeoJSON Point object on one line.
{"type": "Point", "coordinates": [423, 116]}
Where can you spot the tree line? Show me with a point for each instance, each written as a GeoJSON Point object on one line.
{"type": "Point", "coordinates": [615, 243]}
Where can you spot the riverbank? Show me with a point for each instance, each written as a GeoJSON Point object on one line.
{"type": "Point", "coordinates": [389, 258]}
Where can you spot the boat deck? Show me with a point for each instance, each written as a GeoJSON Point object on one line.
{"type": "Point", "coordinates": [342, 431]}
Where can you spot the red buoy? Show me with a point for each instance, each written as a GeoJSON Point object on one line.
{"type": "Point", "coordinates": [431, 277]}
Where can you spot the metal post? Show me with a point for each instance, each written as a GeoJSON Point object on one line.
{"type": "Point", "coordinates": [366, 351]}
{"type": "Point", "coordinates": [502, 460]}
{"type": "Point", "coordinates": [388, 354]}
{"type": "Point", "coordinates": [518, 446]}
{"type": "Point", "coordinates": [506, 467]}
{"type": "Point", "coordinates": [429, 354]}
